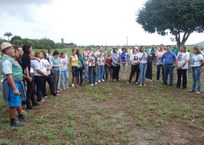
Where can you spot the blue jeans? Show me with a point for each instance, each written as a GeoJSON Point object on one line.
{"type": "Point", "coordinates": [160, 68]}
{"type": "Point", "coordinates": [58, 85]}
{"type": "Point", "coordinates": [100, 72]}
{"type": "Point", "coordinates": [143, 68]}
{"type": "Point", "coordinates": [168, 70]}
{"type": "Point", "coordinates": [92, 74]}
{"type": "Point", "coordinates": [196, 75]}
{"type": "Point", "coordinates": [86, 74]}
{"type": "Point", "coordinates": [64, 79]}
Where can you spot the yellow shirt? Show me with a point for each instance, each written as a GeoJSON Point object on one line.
{"type": "Point", "coordinates": [74, 60]}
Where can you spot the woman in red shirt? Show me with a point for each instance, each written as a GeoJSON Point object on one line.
{"type": "Point", "coordinates": [108, 66]}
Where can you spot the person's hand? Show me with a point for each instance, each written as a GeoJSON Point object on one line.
{"type": "Point", "coordinates": [70, 69]}
{"type": "Point", "coordinates": [179, 68]}
{"type": "Point", "coordinates": [16, 92]}
{"type": "Point", "coordinates": [30, 79]}
{"type": "Point", "coordinates": [46, 75]}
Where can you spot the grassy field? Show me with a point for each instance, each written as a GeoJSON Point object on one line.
{"type": "Point", "coordinates": [112, 114]}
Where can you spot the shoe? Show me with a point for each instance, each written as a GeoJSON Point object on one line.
{"type": "Point", "coordinates": [191, 91]}
{"type": "Point", "coordinates": [136, 82]}
{"type": "Point", "coordinates": [96, 83]}
{"type": "Point", "coordinates": [91, 84]}
{"type": "Point", "coordinates": [197, 93]}
{"type": "Point", "coordinates": [128, 82]}
{"type": "Point", "coordinates": [72, 85]}
{"type": "Point", "coordinates": [145, 85]}
{"type": "Point", "coordinates": [22, 117]}
{"type": "Point", "coordinates": [46, 97]}
{"type": "Point", "coordinates": [16, 124]}
{"type": "Point", "coordinates": [140, 85]}
{"type": "Point", "coordinates": [103, 80]}
{"type": "Point", "coordinates": [99, 81]}
{"type": "Point", "coordinates": [67, 87]}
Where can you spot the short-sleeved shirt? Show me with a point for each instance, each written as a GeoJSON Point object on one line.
{"type": "Point", "coordinates": [159, 54]}
{"type": "Point", "coordinates": [55, 63]}
{"type": "Point", "coordinates": [37, 65]}
{"type": "Point", "coordinates": [11, 66]}
{"type": "Point", "coordinates": [46, 64]}
{"type": "Point", "coordinates": [195, 60]}
{"type": "Point", "coordinates": [123, 56]}
{"type": "Point", "coordinates": [134, 58]}
{"type": "Point", "coordinates": [182, 57]}
{"type": "Point", "coordinates": [65, 62]}
{"type": "Point", "coordinates": [143, 58]}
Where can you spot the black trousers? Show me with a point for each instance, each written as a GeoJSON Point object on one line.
{"type": "Point", "coordinates": [50, 81]}
{"type": "Point", "coordinates": [80, 72]}
{"type": "Point", "coordinates": [134, 69]}
{"type": "Point", "coordinates": [149, 70]}
{"type": "Point", "coordinates": [182, 73]}
{"type": "Point", "coordinates": [30, 92]}
{"type": "Point", "coordinates": [40, 81]}
{"type": "Point", "coordinates": [116, 70]}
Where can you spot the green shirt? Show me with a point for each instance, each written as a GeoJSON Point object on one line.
{"type": "Point", "coordinates": [10, 66]}
{"type": "Point", "coordinates": [55, 63]}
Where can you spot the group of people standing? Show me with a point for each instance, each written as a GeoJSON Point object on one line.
{"type": "Point", "coordinates": [25, 72]}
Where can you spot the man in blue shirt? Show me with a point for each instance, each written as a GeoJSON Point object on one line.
{"type": "Point", "coordinates": [169, 59]}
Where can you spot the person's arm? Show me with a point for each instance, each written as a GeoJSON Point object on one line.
{"type": "Point", "coordinates": [27, 75]}
{"type": "Point", "coordinates": [70, 64]}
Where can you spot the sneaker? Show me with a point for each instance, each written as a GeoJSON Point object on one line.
{"type": "Point", "coordinates": [16, 124]}
{"type": "Point", "coordinates": [96, 83]}
{"type": "Point", "coordinates": [99, 81]}
{"type": "Point", "coordinates": [91, 84]}
{"type": "Point", "coordinates": [136, 82]}
{"type": "Point", "coordinates": [191, 91]}
{"type": "Point", "coordinates": [46, 97]}
{"type": "Point", "coordinates": [64, 88]}
{"type": "Point", "coordinates": [22, 117]}
{"type": "Point", "coordinates": [145, 85]}
{"type": "Point", "coordinates": [197, 93]}
{"type": "Point", "coordinates": [103, 80]}
{"type": "Point", "coordinates": [128, 82]}
{"type": "Point", "coordinates": [140, 85]}
{"type": "Point", "coordinates": [72, 85]}
{"type": "Point", "coordinates": [67, 87]}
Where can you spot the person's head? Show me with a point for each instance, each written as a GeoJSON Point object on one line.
{"type": "Point", "coordinates": [196, 50]}
{"type": "Point", "coordinates": [32, 54]}
{"type": "Point", "coordinates": [73, 52]}
{"type": "Point", "coordinates": [168, 48]}
{"type": "Point", "coordinates": [135, 50]}
{"type": "Point", "coordinates": [7, 49]}
{"type": "Point", "coordinates": [115, 50]}
{"type": "Point", "coordinates": [27, 49]}
{"type": "Point", "coordinates": [124, 50]}
{"type": "Point", "coordinates": [62, 55]}
{"type": "Point", "coordinates": [39, 54]}
{"type": "Point", "coordinates": [49, 51]}
{"type": "Point", "coordinates": [182, 48]}
{"type": "Point", "coordinates": [109, 53]}
{"type": "Point", "coordinates": [141, 49]}
{"type": "Point", "coordinates": [20, 51]}
{"type": "Point", "coordinates": [55, 54]}
{"type": "Point", "coordinates": [17, 53]}
{"type": "Point", "coordinates": [101, 49]}
{"type": "Point", "coordinates": [44, 55]}
{"type": "Point", "coordinates": [161, 47]}
{"type": "Point", "coordinates": [78, 52]}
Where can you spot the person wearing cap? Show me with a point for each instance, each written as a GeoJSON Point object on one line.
{"type": "Point", "coordinates": [13, 91]}
{"type": "Point", "coordinates": [169, 59]}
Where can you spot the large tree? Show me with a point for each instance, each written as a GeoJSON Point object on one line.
{"type": "Point", "coordinates": [8, 34]}
{"type": "Point", "coordinates": [179, 17]}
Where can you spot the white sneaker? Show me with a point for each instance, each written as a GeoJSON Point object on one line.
{"type": "Point", "coordinates": [103, 80]}
{"type": "Point", "coordinates": [91, 84]}
{"type": "Point", "coordinates": [67, 87]}
{"type": "Point", "coordinates": [197, 93]}
{"type": "Point", "coordinates": [99, 81]}
{"type": "Point", "coordinates": [72, 85]}
{"type": "Point", "coordinates": [96, 83]}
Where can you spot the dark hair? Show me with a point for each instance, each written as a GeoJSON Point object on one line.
{"type": "Point", "coordinates": [73, 50]}
{"type": "Point", "coordinates": [77, 52]}
{"type": "Point", "coordinates": [197, 50]}
{"type": "Point", "coordinates": [183, 47]}
{"type": "Point", "coordinates": [44, 54]}
{"type": "Point", "coordinates": [124, 49]}
{"type": "Point", "coordinates": [55, 53]}
{"type": "Point", "coordinates": [15, 48]}
{"type": "Point", "coordinates": [114, 49]}
{"type": "Point", "coordinates": [26, 48]}
{"type": "Point", "coordinates": [141, 47]}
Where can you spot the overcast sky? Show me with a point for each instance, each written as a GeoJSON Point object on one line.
{"type": "Point", "coordinates": [86, 22]}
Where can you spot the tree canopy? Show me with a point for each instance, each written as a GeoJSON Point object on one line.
{"type": "Point", "coordinates": [179, 17]}
{"type": "Point", "coordinates": [8, 34]}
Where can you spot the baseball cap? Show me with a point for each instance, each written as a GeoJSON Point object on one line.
{"type": "Point", "coordinates": [5, 45]}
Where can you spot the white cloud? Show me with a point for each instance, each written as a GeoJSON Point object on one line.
{"type": "Point", "coordinates": [84, 22]}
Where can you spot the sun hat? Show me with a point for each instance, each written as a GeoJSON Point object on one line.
{"type": "Point", "coordinates": [5, 45]}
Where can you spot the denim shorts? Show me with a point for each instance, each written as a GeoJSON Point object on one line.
{"type": "Point", "coordinates": [14, 101]}
{"type": "Point", "coordinates": [74, 71]}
